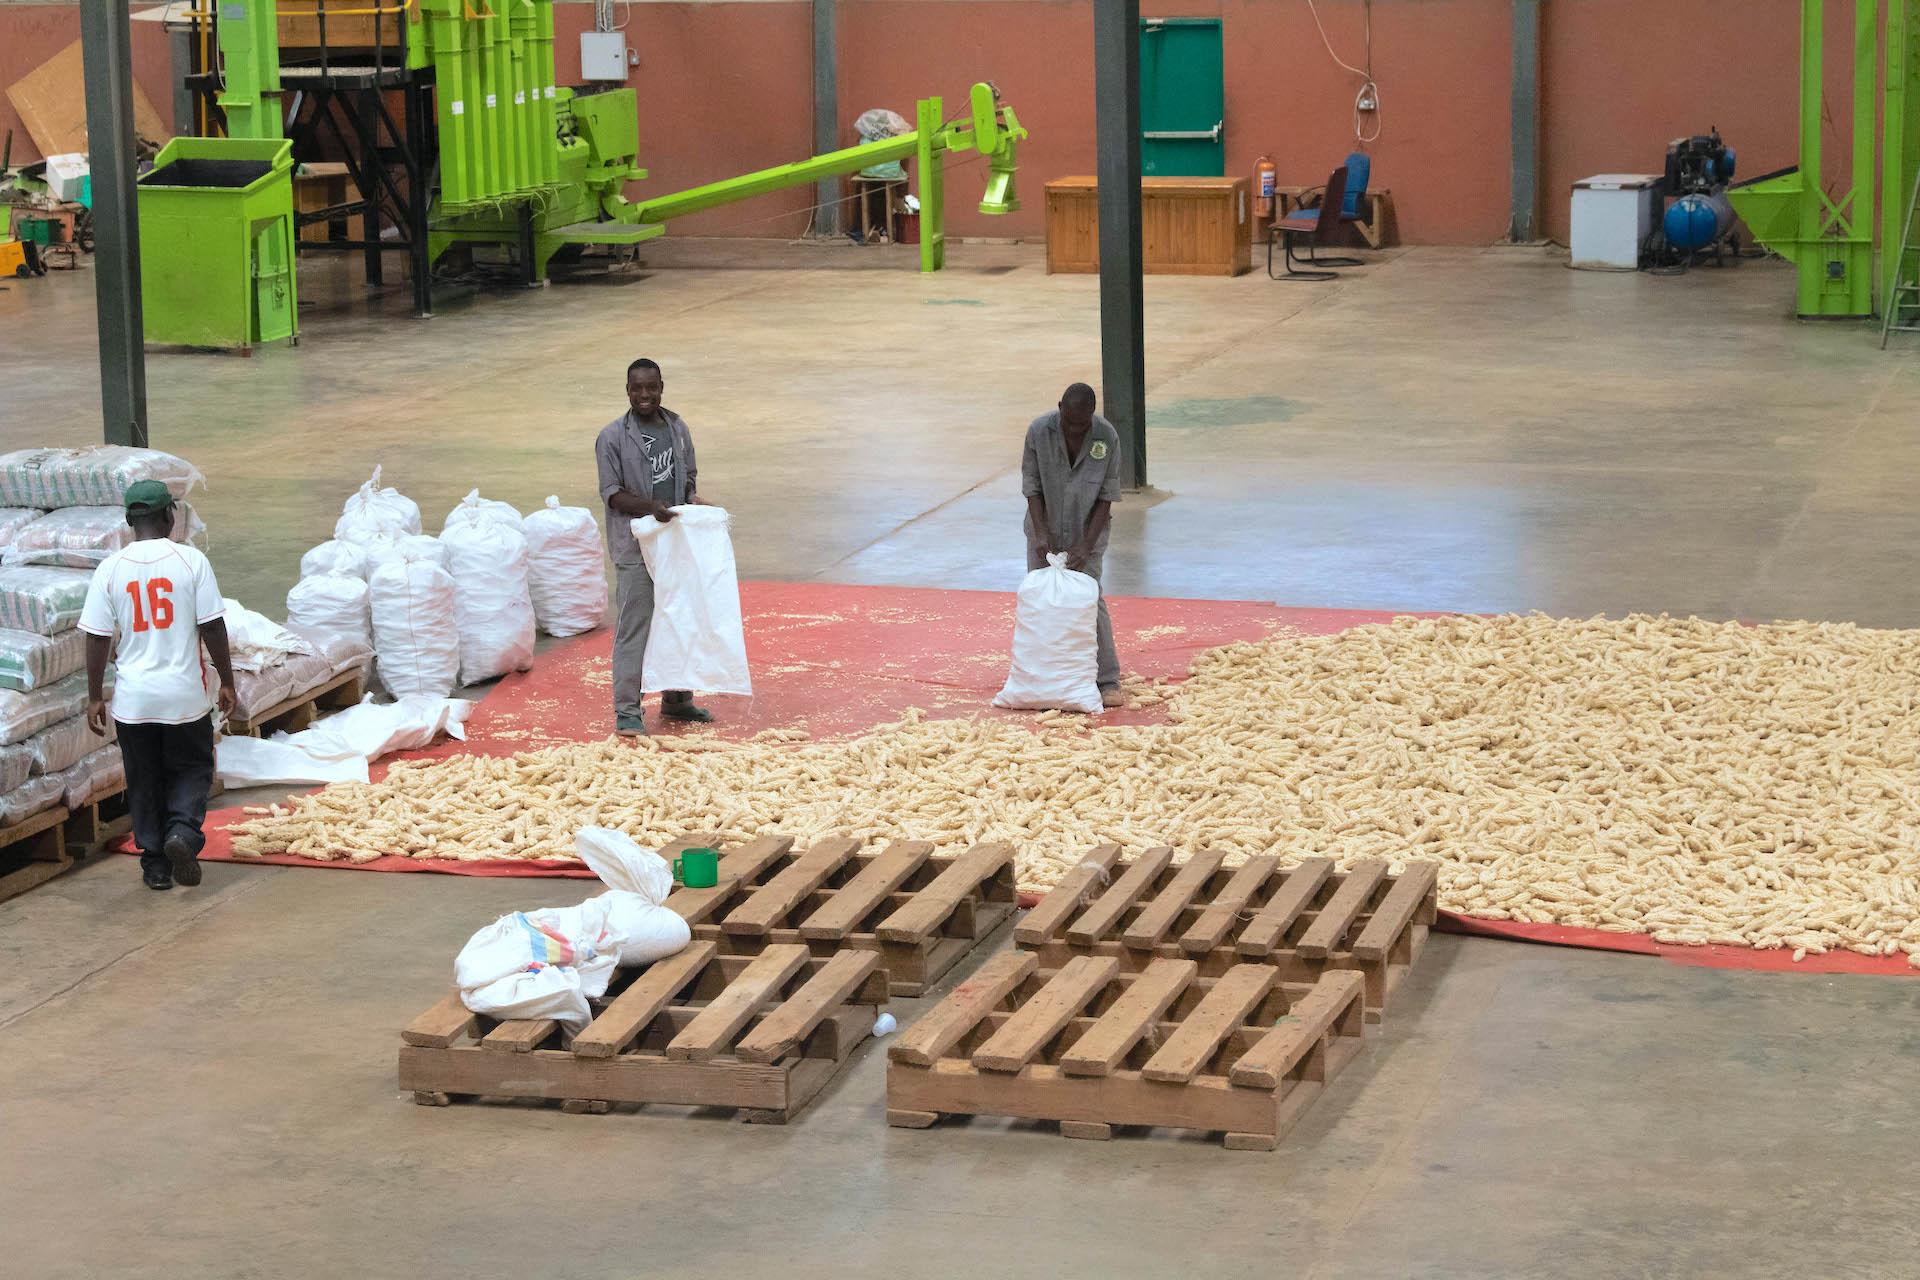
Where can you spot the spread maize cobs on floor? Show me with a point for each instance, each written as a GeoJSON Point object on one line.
{"type": "Point", "coordinates": [1700, 782]}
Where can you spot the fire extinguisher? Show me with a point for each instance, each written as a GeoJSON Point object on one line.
{"type": "Point", "coordinates": [1263, 183]}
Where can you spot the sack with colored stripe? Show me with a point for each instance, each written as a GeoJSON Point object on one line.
{"type": "Point", "coordinates": [24, 714]}
{"type": "Point", "coordinates": [42, 600]}
{"type": "Point", "coordinates": [96, 477]}
{"type": "Point", "coordinates": [81, 537]}
{"type": "Point", "coordinates": [28, 661]}
{"type": "Point", "coordinates": [541, 964]}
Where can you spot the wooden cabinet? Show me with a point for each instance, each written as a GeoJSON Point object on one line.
{"type": "Point", "coordinates": [1188, 226]}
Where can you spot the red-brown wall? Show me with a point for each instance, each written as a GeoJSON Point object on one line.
{"type": "Point", "coordinates": [724, 89]}
{"type": "Point", "coordinates": [32, 33]}
{"type": "Point", "coordinates": [1622, 78]}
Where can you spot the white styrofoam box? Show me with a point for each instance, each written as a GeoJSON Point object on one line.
{"type": "Point", "coordinates": [603, 55]}
{"type": "Point", "coordinates": [1613, 214]}
{"type": "Point", "coordinates": [65, 174]}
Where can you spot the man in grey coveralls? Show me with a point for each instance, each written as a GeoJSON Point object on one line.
{"type": "Point", "coordinates": [646, 469]}
{"type": "Point", "coordinates": [1070, 475]}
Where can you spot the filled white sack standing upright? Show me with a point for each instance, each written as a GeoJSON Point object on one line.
{"type": "Point", "coordinates": [335, 556]}
{"type": "Point", "coordinates": [473, 505]}
{"type": "Point", "coordinates": [372, 511]}
{"type": "Point", "coordinates": [697, 641]}
{"type": "Point", "coordinates": [416, 640]}
{"type": "Point", "coordinates": [333, 603]}
{"type": "Point", "coordinates": [1055, 661]}
{"type": "Point", "coordinates": [566, 569]}
{"type": "Point", "coordinates": [488, 559]}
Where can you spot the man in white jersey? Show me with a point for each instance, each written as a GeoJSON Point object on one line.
{"type": "Point", "coordinates": [160, 598]}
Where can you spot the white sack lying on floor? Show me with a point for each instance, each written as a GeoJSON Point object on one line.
{"type": "Point", "coordinates": [549, 962]}
{"type": "Point", "coordinates": [339, 748]}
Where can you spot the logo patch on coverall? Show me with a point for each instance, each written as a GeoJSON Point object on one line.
{"type": "Point", "coordinates": [1099, 450]}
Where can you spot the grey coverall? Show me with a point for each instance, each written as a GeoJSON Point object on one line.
{"type": "Point", "coordinates": [1069, 487]}
{"type": "Point", "coordinates": [654, 462]}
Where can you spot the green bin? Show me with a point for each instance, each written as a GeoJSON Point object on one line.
{"type": "Point", "coordinates": [216, 243]}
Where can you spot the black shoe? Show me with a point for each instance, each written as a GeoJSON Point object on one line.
{"type": "Point", "coordinates": [683, 709]}
{"type": "Point", "coordinates": [186, 863]}
{"type": "Point", "coordinates": [156, 875]}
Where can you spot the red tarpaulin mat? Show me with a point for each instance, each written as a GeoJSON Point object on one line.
{"type": "Point", "coordinates": [837, 660]}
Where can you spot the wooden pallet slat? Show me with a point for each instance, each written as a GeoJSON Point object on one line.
{"type": "Point", "coordinates": [1338, 995]}
{"type": "Point", "coordinates": [1264, 932]}
{"type": "Point", "coordinates": [723, 1018]}
{"type": "Point", "coordinates": [948, 1022]}
{"type": "Point", "coordinates": [1217, 921]}
{"type": "Point", "coordinates": [1107, 909]}
{"type": "Point", "coordinates": [1158, 917]}
{"type": "Point", "coordinates": [1042, 1018]}
{"type": "Point", "coordinates": [1331, 925]}
{"type": "Point", "coordinates": [834, 984]}
{"type": "Point", "coordinates": [1132, 1017]}
{"type": "Point", "coordinates": [1396, 911]}
{"type": "Point", "coordinates": [932, 906]}
{"type": "Point", "coordinates": [862, 896]}
{"type": "Point", "coordinates": [1205, 1029]}
{"type": "Point", "coordinates": [770, 903]}
{"type": "Point", "coordinates": [628, 1013]}
{"type": "Point", "coordinates": [1065, 899]}
{"type": "Point", "coordinates": [519, 1035]}
{"type": "Point", "coordinates": [441, 1025]}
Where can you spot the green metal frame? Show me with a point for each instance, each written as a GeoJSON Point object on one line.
{"type": "Point", "coordinates": [524, 159]}
{"type": "Point", "coordinates": [1832, 241]}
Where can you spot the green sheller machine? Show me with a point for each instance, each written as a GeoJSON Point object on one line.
{"type": "Point", "coordinates": [1830, 238]}
{"type": "Point", "coordinates": [533, 166]}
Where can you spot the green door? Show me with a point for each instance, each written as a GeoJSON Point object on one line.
{"type": "Point", "coordinates": [1182, 98]}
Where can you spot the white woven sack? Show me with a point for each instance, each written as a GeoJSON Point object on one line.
{"type": "Point", "coordinates": [373, 511]}
{"type": "Point", "coordinates": [1055, 662]}
{"type": "Point", "coordinates": [566, 569]}
{"type": "Point", "coordinates": [416, 642]}
{"type": "Point", "coordinates": [331, 604]}
{"type": "Point", "coordinates": [488, 560]}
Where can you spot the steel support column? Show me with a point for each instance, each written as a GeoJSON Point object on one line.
{"type": "Point", "coordinates": [826, 113]}
{"type": "Point", "coordinates": [107, 56]}
{"type": "Point", "coordinates": [1526, 122]}
{"type": "Point", "coordinates": [1123, 365]}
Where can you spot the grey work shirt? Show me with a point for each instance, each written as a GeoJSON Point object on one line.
{"type": "Point", "coordinates": [629, 458]}
{"type": "Point", "coordinates": [1070, 486]}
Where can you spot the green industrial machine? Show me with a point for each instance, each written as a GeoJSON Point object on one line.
{"type": "Point", "coordinates": [598, 138]}
{"type": "Point", "coordinates": [1830, 236]}
{"type": "Point", "coordinates": [216, 236]}
{"type": "Point", "coordinates": [535, 168]}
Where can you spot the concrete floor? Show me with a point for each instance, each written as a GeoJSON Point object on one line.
{"type": "Point", "coordinates": [201, 1083]}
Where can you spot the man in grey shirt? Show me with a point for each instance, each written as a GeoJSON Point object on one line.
{"type": "Point", "coordinates": [1071, 478]}
{"type": "Point", "coordinates": [646, 469]}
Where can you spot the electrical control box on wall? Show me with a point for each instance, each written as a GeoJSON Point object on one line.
{"type": "Point", "coordinates": [603, 55]}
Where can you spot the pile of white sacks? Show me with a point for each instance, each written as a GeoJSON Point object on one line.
{"type": "Point", "coordinates": [457, 609]}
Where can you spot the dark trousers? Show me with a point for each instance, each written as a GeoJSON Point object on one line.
{"type": "Point", "coordinates": [169, 772]}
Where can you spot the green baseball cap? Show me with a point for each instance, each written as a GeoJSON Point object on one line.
{"type": "Point", "coordinates": [145, 497]}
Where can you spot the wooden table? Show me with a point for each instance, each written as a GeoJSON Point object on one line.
{"type": "Point", "coordinates": [1373, 227]}
{"type": "Point", "coordinates": [1188, 226]}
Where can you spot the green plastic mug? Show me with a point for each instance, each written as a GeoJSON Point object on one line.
{"type": "Point", "coordinates": [697, 868]}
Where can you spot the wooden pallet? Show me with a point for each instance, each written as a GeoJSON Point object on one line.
{"type": "Point", "coordinates": [301, 710]}
{"type": "Point", "coordinates": [1092, 1047]}
{"type": "Point", "coordinates": [920, 913]}
{"type": "Point", "coordinates": [763, 1034]}
{"type": "Point", "coordinates": [32, 852]}
{"type": "Point", "coordinates": [1305, 921]}
{"type": "Point", "coordinates": [105, 817]}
